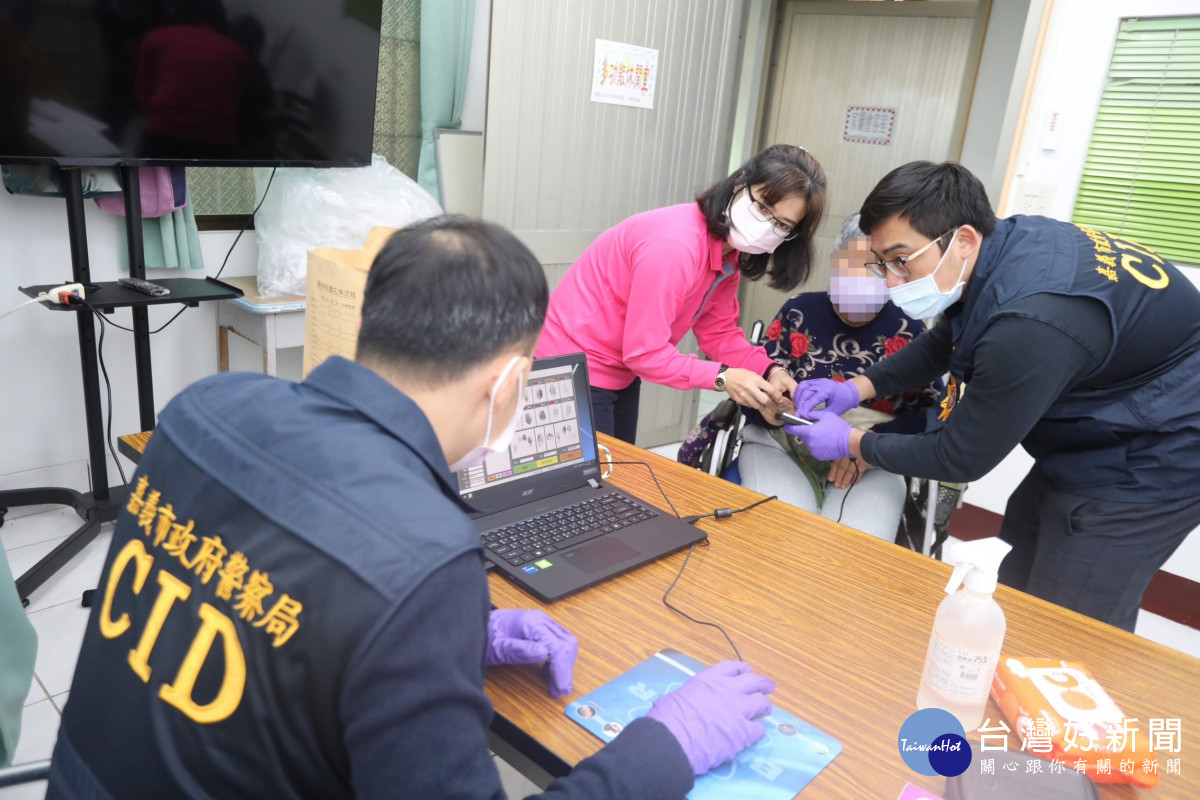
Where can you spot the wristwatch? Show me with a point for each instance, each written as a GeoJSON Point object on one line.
{"type": "Point", "coordinates": [719, 384]}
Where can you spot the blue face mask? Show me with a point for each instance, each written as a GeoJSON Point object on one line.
{"type": "Point", "coordinates": [921, 299]}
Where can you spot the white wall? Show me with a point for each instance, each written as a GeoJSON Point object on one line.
{"type": "Point", "coordinates": [475, 100]}
{"type": "Point", "coordinates": [1070, 80]}
{"type": "Point", "coordinates": [42, 429]}
{"type": "Point", "coordinates": [1004, 63]}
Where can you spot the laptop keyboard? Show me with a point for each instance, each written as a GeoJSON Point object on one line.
{"type": "Point", "coordinates": [537, 537]}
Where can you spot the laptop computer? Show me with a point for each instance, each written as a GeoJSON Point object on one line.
{"type": "Point", "coordinates": [546, 519]}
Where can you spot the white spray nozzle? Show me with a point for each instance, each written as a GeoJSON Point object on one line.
{"type": "Point", "coordinates": [977, 564]}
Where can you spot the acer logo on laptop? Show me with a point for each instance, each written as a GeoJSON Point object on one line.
{"type": "Point", "coordinates": [527, 492]}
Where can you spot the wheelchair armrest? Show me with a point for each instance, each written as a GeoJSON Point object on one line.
{"type": "Point", "coordinates": [28, 772]}
{"type": "Point", "coordinates": [725, 416]}
{"type": "Point", "coordinates": [756, 332]}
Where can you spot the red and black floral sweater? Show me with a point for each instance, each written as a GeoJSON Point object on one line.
{"type": "Point", "coordinates": [811, 340]}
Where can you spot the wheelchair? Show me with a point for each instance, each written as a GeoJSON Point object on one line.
{"type": "Point", "coordinates": [713, 447]}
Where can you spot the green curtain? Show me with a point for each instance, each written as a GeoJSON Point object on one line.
{"type": "Point", "coordinates": [18, 646]}
{"type": "Point", "coordinates": [1143, 165]}
{"type": "Point", "coordinates": [171, 241]}
{"type": "Point", "coordinates": [446, 29]}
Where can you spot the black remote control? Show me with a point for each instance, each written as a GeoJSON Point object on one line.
{"type": "Point", "coordinates": [145, 287]}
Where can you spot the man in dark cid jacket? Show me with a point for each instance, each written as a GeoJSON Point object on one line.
{"type": "Point", "coordinates": [294, 604]}
{"type": "Point", "coordinates": [1081, 346]}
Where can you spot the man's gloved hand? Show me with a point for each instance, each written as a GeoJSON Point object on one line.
{"type": "Point", "coordinates": [517, 636]}
{"type": "Point", "coordinates": [828, 439]}
{"type": "Point", "coordinates": [714, 715]}
{"type": "Point", "coordinates": [837, 396]}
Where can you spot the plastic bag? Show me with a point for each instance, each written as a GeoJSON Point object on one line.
{"type": "Point", "coordinates": [308, 208]}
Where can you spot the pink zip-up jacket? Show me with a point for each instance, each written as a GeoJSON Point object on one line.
{"type": "Point", "coordinates": [634, 294]}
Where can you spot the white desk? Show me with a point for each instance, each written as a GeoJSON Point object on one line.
{"type": "Point", "coordinates": [272, 323]}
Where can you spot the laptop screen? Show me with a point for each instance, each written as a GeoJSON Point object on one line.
{"type": "Point", "coordinates": [553, 449]}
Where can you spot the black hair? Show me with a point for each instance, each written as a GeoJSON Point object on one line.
{"type": "Point", "coordinates": [449, 293]}
{"type": "Point", "coordinates": [783, 170]}
{"type": "Point", "coordinates": [933, 199]}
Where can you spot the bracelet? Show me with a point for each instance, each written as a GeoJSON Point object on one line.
{"type": "Point", "coordinates": [771, 369]}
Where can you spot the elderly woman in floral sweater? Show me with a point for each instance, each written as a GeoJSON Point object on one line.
{"type": "Point", "coordinates": [838, 335]}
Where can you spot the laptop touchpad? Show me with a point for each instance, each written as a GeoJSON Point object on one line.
{"type": "Point", "coordinates": [599, 555]}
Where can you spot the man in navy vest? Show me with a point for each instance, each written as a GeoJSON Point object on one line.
{"type": "Point", "coordinates": [1083, 347]}
{"type": "Point", "coordinates": [294, 603]}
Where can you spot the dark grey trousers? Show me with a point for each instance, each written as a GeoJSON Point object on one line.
{"type": "Point", "coordinates": [1093, 556]}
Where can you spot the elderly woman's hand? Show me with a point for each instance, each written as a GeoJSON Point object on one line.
{"type": "Point", "coordinates": [782, 380]}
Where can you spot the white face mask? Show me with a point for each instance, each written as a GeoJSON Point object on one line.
{"type": "Point", "coordinates": [747, 233]}
{"type": "Point", "coordinates": [858, 297]}
{"type": "Point", "coordinates": [922, 299]}
{"type": "Point", "coordinates": [479, 454]}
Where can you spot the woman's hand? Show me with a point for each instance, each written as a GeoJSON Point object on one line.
{"type": "Point", "coordinates": [749, 389]}
{"type": "Point", "coordinates": [842, 473]}
{"type": "Point", "coordinates": [782, 380]}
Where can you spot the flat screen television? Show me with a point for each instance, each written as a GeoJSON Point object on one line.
{"type": "Point", "coordinates": [195, 82]}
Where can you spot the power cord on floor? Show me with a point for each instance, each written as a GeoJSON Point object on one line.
{"type": "Point", "coordinates": [718, 513]}
{"type": "Point", "coordinates": [108, 389]}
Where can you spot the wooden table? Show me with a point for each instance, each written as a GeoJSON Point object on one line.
{"type": "Point", "coordinates": [840, 620]}
{"type": "Point", "coordinates": [272, 323]}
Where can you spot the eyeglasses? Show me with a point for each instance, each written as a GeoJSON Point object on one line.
{"type": "Point", "coordinates": [899, 265]}
{"type": "Point", "coordinates": [760, 212]}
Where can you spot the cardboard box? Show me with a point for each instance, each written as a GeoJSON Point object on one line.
{"type": "Point", "coordinates": [335, 284]}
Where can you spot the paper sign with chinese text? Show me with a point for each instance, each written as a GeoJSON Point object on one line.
{"type": "Point", "coordinates": [868, 125]}
{"type": "Point", "coordinates": [624, 74]}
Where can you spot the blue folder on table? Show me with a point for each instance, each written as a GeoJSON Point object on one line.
{"type": "Point", "coordinates": [776, 768]}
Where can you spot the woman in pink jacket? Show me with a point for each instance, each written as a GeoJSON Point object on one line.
{"type": "Point", "coordinates": [642, 285]}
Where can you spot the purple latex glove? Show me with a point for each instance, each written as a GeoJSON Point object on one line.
{"type": "Point", "coordinates": [837, 396]}
{"type": "Point", "coordinates": [714, 715]}
{"type": "Point", "coordinates": [518, 636]}
{"type": "Point", "coordinates": [828, 439]}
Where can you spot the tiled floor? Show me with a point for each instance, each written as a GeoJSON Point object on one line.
{"type": "Point", "coordinates": [60, 620]}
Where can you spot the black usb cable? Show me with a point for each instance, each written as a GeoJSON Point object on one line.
{"type": "Point", "coordinates": [718, 513]}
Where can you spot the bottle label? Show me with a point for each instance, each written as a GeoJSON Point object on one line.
{"type": "Point", "coordinates": [957, 675]}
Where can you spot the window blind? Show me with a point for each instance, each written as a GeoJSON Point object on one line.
{"type": "Point", "coordinates": [1141, 179]}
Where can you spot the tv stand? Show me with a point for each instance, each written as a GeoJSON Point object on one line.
{"type": "Point", "coordinates": [103, 503]}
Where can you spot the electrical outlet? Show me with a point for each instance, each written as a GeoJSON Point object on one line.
{"type": "Point", "coordinates": [1035, 197]}
{"type": "Point", "coordinates": [59, 293]}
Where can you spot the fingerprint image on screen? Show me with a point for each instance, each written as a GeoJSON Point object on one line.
{"type": "Point", "coordinates": [567, 433]}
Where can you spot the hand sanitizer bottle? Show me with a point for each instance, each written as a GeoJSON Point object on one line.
{"type": "Point", "coordinates": [968, 632]}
